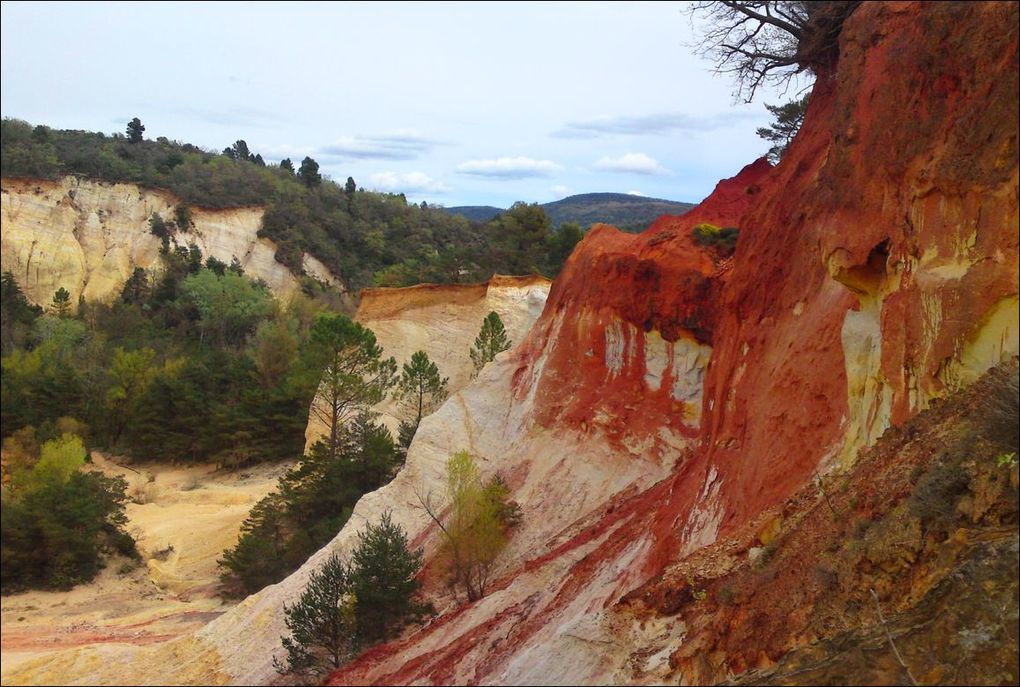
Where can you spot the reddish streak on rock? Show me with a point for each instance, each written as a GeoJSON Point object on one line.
{"type": "Point", "coordinates": [905, 170]}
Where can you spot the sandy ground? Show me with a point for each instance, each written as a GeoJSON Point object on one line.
{"type": "Point", "coordinates": [182, 519]}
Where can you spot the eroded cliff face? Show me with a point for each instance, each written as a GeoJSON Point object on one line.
{"type": "Point", "coordinates": [88, 237]}
{"type": "Point", "coordinates": [670, 409]}
{"type": "Point", "coordinates": [443, 321]}
{"type": "Point", "coordinates": [876, 271]}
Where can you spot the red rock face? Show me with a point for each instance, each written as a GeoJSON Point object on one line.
{"type": "Point", "coordinates": [877, 268]}
{"type": "Point", "coordinates": [615, 288]}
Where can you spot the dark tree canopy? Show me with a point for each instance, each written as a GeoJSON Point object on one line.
{"type": "Point", "coordinates": [309, 172]}
{"type": "Point", "coordinates": [61, 302]}
{"type": "Point", "coordinates": [383, 581]}
{"type": "Point", "coordinates": [769, 42]}
{"type": "Point", "coordinates": [321, 623]}
{"type": "Point", "coordinates": [135, 130]}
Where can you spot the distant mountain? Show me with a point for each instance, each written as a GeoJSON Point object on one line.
{"type": "Point", "coordinates": [476, 213]}
{"type": "Point", "coordinates": [628, 212]}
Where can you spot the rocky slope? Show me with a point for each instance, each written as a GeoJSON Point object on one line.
{"type": "Point", "coordinates": [89, 236]}
{"type": "Point", "coordinates": [443, 321]}
{"type": "Point", "coordinates": [670, 410]}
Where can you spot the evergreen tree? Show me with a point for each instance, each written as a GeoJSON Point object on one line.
{"type": "Point", "coordinates": [370, 457]}
{"type": "Point", "coordinates": [61, 304]}
{"type": "Point", "coordinates": [322, 623]}
{"type": "Point", "coordinates": [286, 164]}
{"type": "Point", "coordinates": [16, 314]}
{"type": "Point", "coordinates": [490, 341]}
{"type": "Point", "coordinates": [561, 245]}
{"type": "Point", "coordinates": [241, 151]}
{"type": "Point", "coordinates": [350, 187]}
{"type": "Point", "coordinates": [309, 172]}
{"type": "Point", "coordinates": [182, 217]}
{"type": "Point", "coordinates": [354, 373]}
{"type": "Point", "coordinates": [789, 117]}
{"type": "Point", "coordinates": [135, 130]}
{"type": "Point", "coordinates": [136, 289]}
{"type": "Point", "coordinates": [382, 579]}
{"type": "Point", "coordinates": [422, 391]}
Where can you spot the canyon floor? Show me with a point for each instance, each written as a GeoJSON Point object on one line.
{"type": "Point", "coordinates": [182, 519]}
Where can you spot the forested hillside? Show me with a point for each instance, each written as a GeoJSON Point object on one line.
{"type": "Point", "coordinates": [368, 238]}
{"type": "Point", "coordinates": [628, 212]}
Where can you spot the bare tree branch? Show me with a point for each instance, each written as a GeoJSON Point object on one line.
{"type": "Point", "coordinates": [769, 41]}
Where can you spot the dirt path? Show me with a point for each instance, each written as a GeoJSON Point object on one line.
{"type": "Point", "coordinates": [182, 519]}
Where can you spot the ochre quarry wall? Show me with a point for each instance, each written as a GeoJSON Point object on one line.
{"type": "Point", "coordinates": [876, 271]}
{"type": "Point", "coordinates": [668, 400]}
{"type": "Point", "coordinates": [89, 236]}
{"type": "Point", "coordinates": [443, 321]}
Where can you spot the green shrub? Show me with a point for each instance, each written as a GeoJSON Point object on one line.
{"type": "Point", "coordinates": [723, 239]}
{"type": "Point", "coordinates": [57, 521]}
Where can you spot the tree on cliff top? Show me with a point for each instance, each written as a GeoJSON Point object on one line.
{"type": "Point", "coordinates": [135, 130]}
{"type": "Point", "coordinates": [768, 41]}
{"type": "Point", "coordinates": [309, 172]}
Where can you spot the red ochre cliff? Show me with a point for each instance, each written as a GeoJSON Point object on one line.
{"type": "Point", "coordinates": [876, 271]}
{"type": "Point", "coordinates": [664, 420]}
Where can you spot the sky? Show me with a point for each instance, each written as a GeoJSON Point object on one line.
{"type": "Point", "coordinates": [451, 103]}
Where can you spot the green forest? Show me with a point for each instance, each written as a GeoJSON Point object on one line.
{"type": "Point", "coordinates": [197, 362]}
{"type": "Point", "coordinates": [367, 238]}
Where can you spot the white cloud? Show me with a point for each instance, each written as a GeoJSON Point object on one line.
{"type": "Point", "coordinates": [560, 191]}
{"type": "Point", "coordinates": [637, 193]}
{"type": "Point", "coordinates": [509, 168]}
{"type": "Point", "coordinates": [274, 153]}
{"type": "Point", "coordinates": [398, 145]}
{"type": "Point", "coordinates": [656, 124]}
{"type": "Point", "coordinates": [411, 182]}
{"type": "Point", "coordinates": [632, 163]}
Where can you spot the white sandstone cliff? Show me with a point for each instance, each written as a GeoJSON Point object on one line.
{"type": "Point", "coordinates": [88, 237]}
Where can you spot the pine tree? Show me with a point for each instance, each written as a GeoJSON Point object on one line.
{"type": "Point", "coordinates": [16, 313]}
{"type": "Point", "coordinates": [135, 130]}
{"type": "Point", "coordinates": [422, 390]}
{"type": "Point", "coordinates": [322, 623]}
{"type": "Point", "coordinates": [61, 302]}
{"type": "Point", "coordinates": [789, 117]}
{"type": "Point", "coordinates": [241, 151]}
{"type": "Point", "coordinates": [355, 375]}
{"type": "Point", "coordinates": [309, 172]}
{"type": "Point", "coordinates": [382, 578]}
{"type": "Point", "coordinates": [490, 341]}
